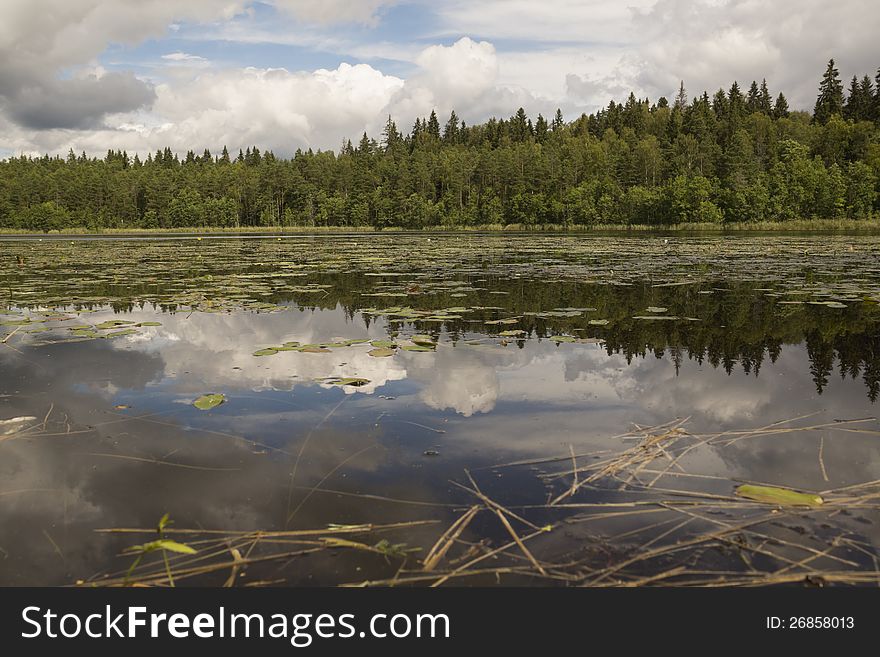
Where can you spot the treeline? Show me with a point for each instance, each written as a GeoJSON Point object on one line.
{"type": "Point", "coordinates": [731, 157]}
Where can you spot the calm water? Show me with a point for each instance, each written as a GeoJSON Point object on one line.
{"type": "Point", "coordinates": [531, 348]}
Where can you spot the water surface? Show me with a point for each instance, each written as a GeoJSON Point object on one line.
{"type": "Point", "coordinates": [526, 348]}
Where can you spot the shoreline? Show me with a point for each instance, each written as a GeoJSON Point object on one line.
{"type": "Point", "coordinates": [818, 225]}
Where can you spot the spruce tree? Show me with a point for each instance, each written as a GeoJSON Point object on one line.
{"type": "Point", "coordinates": [853, 108]}
{"type": "Point", "coordinates": [830, 99]}
{"type": "Point", "coordinates": [780, 109]}
{"type": "Point", "coordinates": [450, 130]}
{"type": "Point", "coordinates": [754, 98]}
{"type": "Point", "coordinates": [541, 129]}
{"type": "Point", "coordinates": [433, 127]}
{"type": "Point", "coordinates": [681, 99]}
{"type": "Point", "coordinates": [765, 102]}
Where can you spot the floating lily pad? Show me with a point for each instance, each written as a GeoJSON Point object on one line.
{"type": "Point", "coordinates": [656, 309]}
{"type": "Point", "coordinates": [207, 402]}
{"type": "Point", "coordinates": [562, 338]}
{"type": "Point", "coordinates": [112, 323]}
{"type": "Point", "coordinates": [423, 340]}
{"type": "Point", "coordinates": [512, 334]}
{"type": "Point", "coordinates": [119, 334]}
{"type": "Point", "coordinates": [268, 351]}
{"type": "Point", "coordinates": [381, 352]}
{"type": "Point", "coordinates": [598, 322]}
{"type": "Point", "coordinates": [416, 347]}
{"type": "Point", "coordinates": [384, 344]}
{"type": "Point", "coordinates": [313, 349]}
{"type": "Point", "coordinates": [782, 496]}
{"type": "Point", "coordinates": [351, 381]}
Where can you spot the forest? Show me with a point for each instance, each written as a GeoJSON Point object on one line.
{"type": "Point", "coordinates": [740, 155]}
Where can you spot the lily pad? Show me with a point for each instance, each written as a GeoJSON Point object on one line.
{"type": "Point", "coordinates": [207, 402]}
{"type": "Point", "coordinates": [268, 351]}
{"type": "Point", "coordinates": [113, 323]}
{"type": "Point", "coordinates": [351, 381]}
{"type": "Point", "coordinates": [423, 340]}
{"type": "Point", "coordinates": [562, 338]}
{"type": "Point", "coordinates": [383, 344]}
{"type": "Point", "coordinates": [782, 496]}
{"type": "Point", "coordinates": [381, 352]}
{"type": "Point", "coordinates": [416, 347]}
{"type": "Point", "coordinates": [313, 349]}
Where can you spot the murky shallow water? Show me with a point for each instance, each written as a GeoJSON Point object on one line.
{"type": "Point", "coordinates": [531, 348]}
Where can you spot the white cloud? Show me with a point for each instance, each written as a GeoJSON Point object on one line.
{"type": "Point", "coordinates": [575, 54]}
{"type": "Point", "coordinates": [185, 59]}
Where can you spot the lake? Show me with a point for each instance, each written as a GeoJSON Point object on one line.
{"type": "Point", "coordinates": [440, 409]}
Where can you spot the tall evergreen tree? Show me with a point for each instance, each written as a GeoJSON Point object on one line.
{"type": "Point", "coordinates": [681, 98]}
{"type": "Point", "coordinates": [450, 130]}
{"type": "Point", "coordinates": [830, 99]}
{"type": "Point", "coordinates": [780, 108]}
{"type": "Point", "coordinates": [765, 102]}
{"type": "Point", "coordinates": [753, 100]}
{"type": "Point", "coordinates": [433, 127]}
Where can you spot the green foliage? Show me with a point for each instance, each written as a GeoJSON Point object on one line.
{"type": "Point", "coordinates": [731, 157]}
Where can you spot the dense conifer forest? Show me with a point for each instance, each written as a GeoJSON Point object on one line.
{"type": "Point", "coordinates": [738, 155]}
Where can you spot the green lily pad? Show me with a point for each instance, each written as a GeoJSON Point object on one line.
{"type": "Point", "coordinates": [782, 496]}
{"type": "Point", "coordinates": [313, 349]}
{"type": "Point", "coordinates": [207, 402]}
{"type": "Point", "coordinates": [113, 323]}
{"type": "Point", "coordinates": [383, 344]}
{"type": "Point", "coordinates": [416, 347]}
{"type": "Point", "coordinates": [351, 381]}
{"type": "Point", "coordinates": [381, 352]}
{"type": "Point", "coordinates": [512, 334]}
{"type": "Point", "coordinates": [119, 334]}
{"type": "Point", "coordinates": [598, 322]}
{"type": "Point", "coordinates": [268, 351]}
{"type": "Point", "coordinates": [562, 338]}
{"type": "Point", "coordinates": [656, 309]}
{"type": "Point", "coordinates": [423, 340]}
{"type": "Point", "coordinates": [149, 324]}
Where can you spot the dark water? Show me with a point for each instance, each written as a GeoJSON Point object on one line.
{"type": "Point", "coordinates": [730, 333]}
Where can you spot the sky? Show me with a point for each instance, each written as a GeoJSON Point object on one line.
{"type": "Point", "coordinates": [139, 75]}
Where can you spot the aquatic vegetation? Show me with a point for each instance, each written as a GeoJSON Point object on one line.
{"type": "Point", "coordinates": [207, 402]}
{"type": "Point", "coordinates": [775, 495]}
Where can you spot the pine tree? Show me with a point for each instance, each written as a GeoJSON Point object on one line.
{"type": "Point", "coordinates": [390, 136]}
{"type": "Point", "coordinates": [867, 91]}
{"type": "Point", "coordinates": [780, 109]}
{"type": "Point", "coordinates": [519, 126]}
{"type": "Point", "coordinates": [719, 104]}
{"type": "Point", "coordinates": [541, 129]}
{"type": "Point", "coordinates": [224, 156]}
{"type": "Point", "coordinates": [450, 130]}
{"type": "Point", "coordinates": [558, 121]}
{"type": "Point", "coordinates": [433, 127]}
{"type": "Point", "coordinates": [681, 98]}
{"type": "Point", "coordinates": [753, 101]}
{"type": "Point", "coordinates": [852, 110]}
{"type": "Point", "coordinates": [765, 102]}
{"type": "Point", "coordinates": [875, 114]}
{"type": "Point", "coordinates": [830, 99]}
